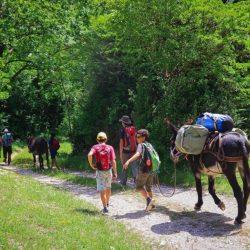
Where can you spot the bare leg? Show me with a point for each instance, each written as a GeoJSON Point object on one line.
{"type": "Point", "coordinates": [103, 198]}
{"type": "Point", "coordinates": [108, 194]}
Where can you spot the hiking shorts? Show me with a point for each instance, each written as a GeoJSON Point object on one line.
{"type": "Point", "coordinates": [144, 180]}
{"type": "Point", "coordinates": [53, 153]}
{"type": "Point", "coordinates": [103, 180]}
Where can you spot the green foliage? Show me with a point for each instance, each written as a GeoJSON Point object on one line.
{"type": "Point", "coordinates": [79, 66]}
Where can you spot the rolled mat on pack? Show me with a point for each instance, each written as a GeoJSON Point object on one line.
{"type": "Point", "coordinates": [216, 122]}
{"type": "Point", "coordinates": [191, 139]}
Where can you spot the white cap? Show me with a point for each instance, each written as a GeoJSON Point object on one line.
{"type": "Point", "coordinates": [6, 130]}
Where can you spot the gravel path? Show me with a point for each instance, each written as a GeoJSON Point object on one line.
{"type": "Point", "coordinates": [173, 224]}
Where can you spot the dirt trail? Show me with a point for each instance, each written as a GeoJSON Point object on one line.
{"type": "Point", "coordinates": [173, 224]}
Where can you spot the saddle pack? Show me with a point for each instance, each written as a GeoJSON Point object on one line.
{"type": "Point", "coordinates": [216, 122]}
{"type": "Point", "coordinates": [130, 139]}
{"type": "Point", "coordinates": [103, 162]}
{"type": "Point", "coordinates": [150, 161]}
{"type": "Point", "coordinates": [191, 139]}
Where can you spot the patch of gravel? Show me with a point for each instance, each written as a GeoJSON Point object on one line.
{"type": "Point", "coordinates": [173, 224]}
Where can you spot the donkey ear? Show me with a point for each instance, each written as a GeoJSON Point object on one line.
{"type": "Point", "coordinates": [170, 125]}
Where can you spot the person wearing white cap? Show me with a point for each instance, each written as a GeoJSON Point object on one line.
{"type": "Point", "coordinates": [7, 146]}
{"type": "Point", "coordinates": [104, 164]}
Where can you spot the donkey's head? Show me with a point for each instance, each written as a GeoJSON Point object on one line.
{"type": "Point", "coordinates": [174, 153]}
{"type": "Point", "coordinates": [30, 142]}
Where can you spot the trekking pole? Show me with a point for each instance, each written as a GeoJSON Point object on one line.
{"type": "Point", "coordinates": [158, 183]}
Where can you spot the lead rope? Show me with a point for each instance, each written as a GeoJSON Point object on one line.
{"type": "Point", "coordinates": [157, 183]}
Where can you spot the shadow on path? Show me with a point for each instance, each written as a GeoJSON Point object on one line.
{"type": "Point", "coordinates": [202, 224]}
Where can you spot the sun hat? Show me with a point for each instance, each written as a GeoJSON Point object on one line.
{"type": "Point", "coordinates": [6, 130]}
{"type": "Point", "coordinates": [126, 120]}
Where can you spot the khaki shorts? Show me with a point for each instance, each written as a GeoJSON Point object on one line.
{"type": "Point", "coordinates": [144, 180]}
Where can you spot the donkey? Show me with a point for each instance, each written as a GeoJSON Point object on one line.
{"type": "Point", "coordinates": [229, 151]}
{"type": "Point", "coordinates": [38, 146]}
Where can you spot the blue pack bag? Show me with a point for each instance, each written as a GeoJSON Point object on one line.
{"type": "Point", "coordinates": [216, 122]}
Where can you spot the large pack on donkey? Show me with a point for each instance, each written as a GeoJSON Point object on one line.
{"type": "Point", "coordinates": [216, 122]}
{"type": "Point", "coordinates": [191, 139]}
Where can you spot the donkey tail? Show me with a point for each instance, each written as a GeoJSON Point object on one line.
{"type": "Point", "coordinates": [246, 149]}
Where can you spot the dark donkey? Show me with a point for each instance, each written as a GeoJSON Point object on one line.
{"type": "Point", "coordinates": [38, 146]}
{"type": "Point", "coordinates": [230, 150]}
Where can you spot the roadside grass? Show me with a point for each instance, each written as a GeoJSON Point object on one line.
{"type": "Point", "coordinates": [34, 216]}
{"type": "Point", "coordinates": [184, 177]}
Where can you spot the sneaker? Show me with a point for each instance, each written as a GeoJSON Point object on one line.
{"type": "Point", "coordinates": [150, 204]}
{"type": "Point", "coordinates": [104, 210]}
{"type": "Point", "coordinates": [148, 200]}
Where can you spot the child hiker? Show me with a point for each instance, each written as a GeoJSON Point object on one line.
{"type": "Point", "coordinates": [144, 181]}
{"type": "Point", "coordinates": [104, 163]}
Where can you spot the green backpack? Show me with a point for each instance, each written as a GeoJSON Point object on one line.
{"type": "Point", "coordinates": [150, 161]}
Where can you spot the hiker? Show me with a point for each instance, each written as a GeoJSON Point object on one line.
{"type": "Point", "coordinates": [7, 140]}
{"type": "Point", "coordinates": [54, 146]}
{"type": "Point", "coordinates": [104, 163]}
{"type": "Point", "coordinates": [144, 181]}
{"type": "Point", "coordinates": [127, 147]}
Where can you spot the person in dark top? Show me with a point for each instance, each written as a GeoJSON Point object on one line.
{"type": "Point", "coordinates": [127, 146]}
{"type": "Point", "coordinates": [7, 140]}
{"type": "Point", "coordinates": [54, 145]}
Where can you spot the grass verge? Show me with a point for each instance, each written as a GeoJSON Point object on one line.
{"type": "Point", "coordinates": [34, 216]}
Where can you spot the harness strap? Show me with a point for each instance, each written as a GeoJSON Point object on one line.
{"type": "Point", "coordinates": [157, 183]}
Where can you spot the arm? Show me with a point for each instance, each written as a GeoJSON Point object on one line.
{"type": "Point", "coordinates": [121, 149]}
{"type": "Point", "coordinates": [114, 169]}
{"type": "Point", "coordinates": [133, 158]}
{"type": "Point", "coordinates": [90, 160]}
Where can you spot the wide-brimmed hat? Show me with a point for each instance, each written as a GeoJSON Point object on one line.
{"type": "Point", "coordinates": [126, 120]}
{"type": "Point", "coordinates": [6, 130]}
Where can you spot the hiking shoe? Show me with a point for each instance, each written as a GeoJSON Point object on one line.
{"type": "Point", "coordinates": [104, 210]}
{"type": "Point", "coordinates": [148, 201]}
{"type": "Point", "coordinates": [150, 204]}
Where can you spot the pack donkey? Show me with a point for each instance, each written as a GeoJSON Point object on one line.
{"type": "Point", "coordinates": [39, 146]}
{"type": "Point", "coordinates": [224, 153]}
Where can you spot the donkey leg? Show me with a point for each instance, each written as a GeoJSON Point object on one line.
{"type": "Point", "coordinates": [41, 162]}
{"type": "Point", "coordinates": [245, 188]}
{"type": "Point", "coordinates": [212, 191]}
{"type": "Point", "coordinates": [34, 160]}
{"type": "Point", "coordinates": [231, 176]}
{"type": "Point", "coordinates": [198, 185]}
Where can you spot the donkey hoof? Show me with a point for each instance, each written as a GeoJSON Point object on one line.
{"type": "Point", "coordinates": [238, 221]}
{"type": "Point", "coordinates": [222, 206]}
{"type": "Point", "coordinates": [197, 207]}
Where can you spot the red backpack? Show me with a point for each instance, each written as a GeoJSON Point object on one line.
{"type": "Point", "coordinates": [103, 157]}
{"type": "Point", "coordinates": [55, 144]}
{"type": "Point", "coordinates": [130, 139]}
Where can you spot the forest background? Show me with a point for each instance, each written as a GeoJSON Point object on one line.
{"type": "Point", "coordinates": [77, 66]}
